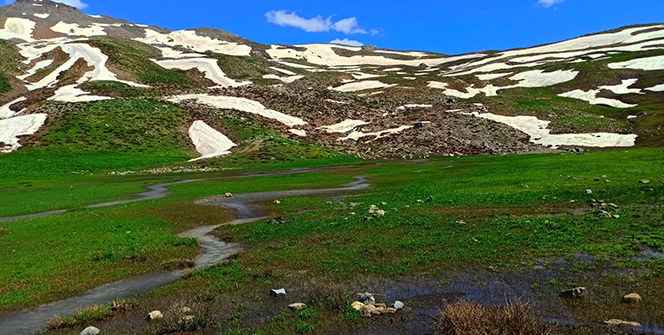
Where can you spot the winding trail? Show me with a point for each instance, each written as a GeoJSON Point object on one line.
{"type": "Point", "coordinates": [213, 252]}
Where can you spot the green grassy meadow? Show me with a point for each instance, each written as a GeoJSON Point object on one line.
{"type": "Point", "coordinates": [442, 215]}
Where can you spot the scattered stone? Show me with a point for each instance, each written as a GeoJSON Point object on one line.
{"type": "Point", "coordinates": [632, 298]}
{"type": "Point", "coordinates": [431, 198]}
{"type": "Point", "coordinates": [616, 322]}
{"type": "Point", "coordinates": [572, 201]}
{"type": "Point", "coordinates": [589, 191]}
{"type": "Point", "coordinates": [419, 201]}
{"type": "Point", "coordinates": [380, 305]}
{"type": "Point", "coordinates": [645, 181]}
{"type": "Point", "coordinates": [155, 315]}
{"type": "Point", "coordinates": [380, 212]}
{"type": "Point", "coordinates": [278, 220]}
{"type": "Point", "coordinates": [357, 305]}
{"type": "Point", "coordinates": [373, 209]}
{"type": "Point", "coordinates": [277, 202]}
{"type": "Point", "coordinates": [228, 195]}
{"type": "Point", "coordinates": [351, 213]}
{"type": "Point", "coordinates": [367, 299]}
{"type": "Point", "coordinates": [187, 318]}
{"type": "Point", "coordinates": [526, 187]}
{"type": "Point", "coordinates": [277, 292]}
{"type": "Point", "coordinates": [575, 293]}
{"type": "Point", "coordinates": [612, 205]}
{"type": "Point", "coordinates": [186, 310]}
{"type": "Point", "coordinates": [298, 306]}
{"type": "Point", "coordinates": [368, 218]}
{"type": "Point", "coordinates": [389, 310]}
{"type": "Point", "coordinates": [398, 305]}
{"type": "Point", "coordinates": [90, 331]}
{"type": "Point", "coordinates": [383, 203]}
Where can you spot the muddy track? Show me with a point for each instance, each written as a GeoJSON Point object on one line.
{"type": "Point", "coordinates": [213, 252]}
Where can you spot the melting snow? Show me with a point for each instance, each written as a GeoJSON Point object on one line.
{"type": "Point", "coordinates": [658, 88]}
{"type": "Point", "coordinates": [42, 15]}
{"type": "Point", "coordinates": [344, 126]}
{"type": "Point", "coordinates": [241, 104]}
{"type": "Point", "coordinates": [208, 141]}
{"type": "Point", "coordinates": [206, 65]}
{"type": "Point", "coordinates": [5, 112]}
{"type": "Point", "coordinates": [11, 129]}
{"type": "Point", "coordinates": [539, 134]}
{"type": "Point", "coordinates": [591, 97]}
{"type": "Point", "coordinates": [298, 132]}
{"type": "Point", "coordinates": [72, 94]}
{"type": "Point", "coordinates": [361, 86]}
{"type": "Point", "coordinates": [491, 76]}
{"type": "Point", "coordinates": [18, 28]}
{"type": "Point", "coordinates": [647, 63]}
{"type": "Point", "coordinates": [623, 88]}
{"type": "Point", "coordinates": [189, 39]}
{"type": "Point", "coordinates": [284, 79]}
{"type": "Point", "coordinates": [76, 30]}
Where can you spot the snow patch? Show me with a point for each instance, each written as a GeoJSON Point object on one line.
{"type": "Point", "coordinates": [76, 30]}
{"type": "Point", "coordinates": [42, 15]}
{"type": "Point", "coordinates": [5, 112]}
{"type": "Point", "coordinates": [72, 94]}
{"type": "Point", "coordinates": [344, 126]}
{"type": "Point", "coordinates": [648, 64]}
{"type": "Point", "coordinates": [189, 39]}
{"type": "Point", "coordinates": [361, 86]}
{"type": "Point", "coordinates": [241, 104]}
{"type": "Point", "coordinates": [298, 132]}
{"type": "Point", "coordinates": [11, 129]}
{"type": "Point", "coordinates": [591, 97]}
{"type": "Point", "coordinates": [539, 134]}
{"type": "Point", "coordinates": [657, 88]}
{"type": "Point", "coordinates": [206, 65]}
{"type": "Point", "coordinates": [208, 141]}
{"type": "Point", "coordinates": [18, 28]}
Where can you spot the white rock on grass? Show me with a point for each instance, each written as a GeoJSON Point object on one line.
{"type": "Point", "coordinates": [208, 141]}
{"type": "Point", "coordinates": [11, 129]}
{"type": "Point", "coordinates": [241, 104]}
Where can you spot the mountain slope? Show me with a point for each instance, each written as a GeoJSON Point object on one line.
{"type": "Point", "coordinates": [600, 90]}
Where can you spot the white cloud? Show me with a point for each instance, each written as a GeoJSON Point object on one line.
{"type": "Point", "coordinates": [74, 3]}
{"type": "Point", "coordinates": [348, 42]}
{"type": "Point", "coordinates": [316, 24]}
{"type": "Point", "coordinates": [549, 3]}
{"type": "Point", "coordinates": [348, 26]}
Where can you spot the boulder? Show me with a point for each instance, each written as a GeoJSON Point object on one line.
{"type": "Point", "coordinates": [367, 299]}
{"type": "Point", "coordinates": [632, 298]}
{"type": "Point", "coordinates": [357, 305]}
{"type": "Point", "coordinates": [155, 315]}
{"type": "Point", "coordinates": [575, 293]}
{"type": "Point", "coordinates": [644, 181]}
{"type": "Point", "coordinates": [398, 305]}
{"type": "Point", "coordinates": [228, 195]}
{"type": "Point", "coordinates": [298, 306]}
{"type": "Point", "coordinates": [589, 191]}
{"type": "Point", "coordinates": [90, 331]}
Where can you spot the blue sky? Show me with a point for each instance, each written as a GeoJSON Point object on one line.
{"type": "Point", "coordinates": [444, 26]}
